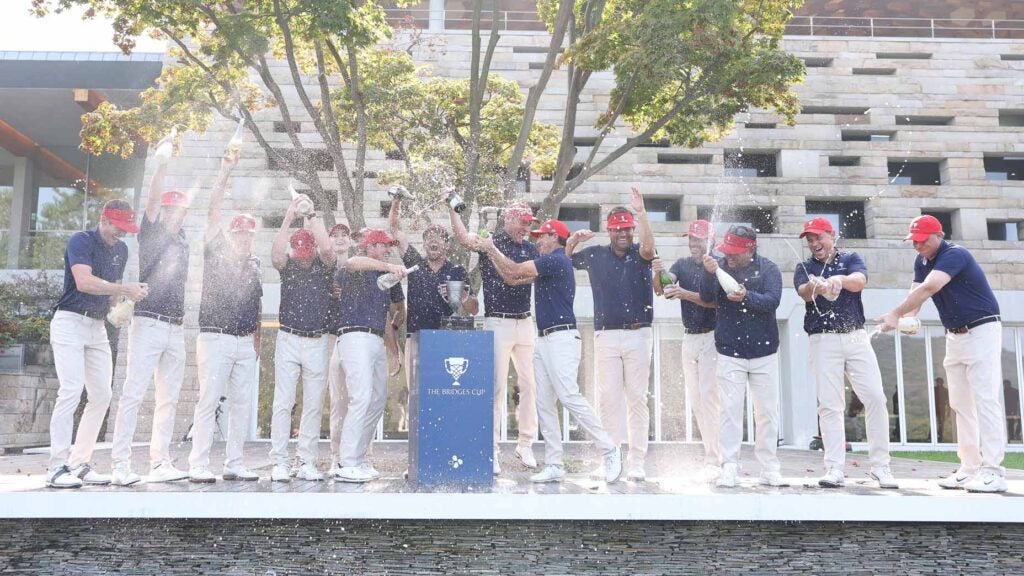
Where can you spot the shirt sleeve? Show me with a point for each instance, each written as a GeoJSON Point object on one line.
{"type": "Point", "coordinates": [770, 295]}
{"type": "Point", "coordinates": [546, 265]}
{"type": "Point", "coordinates": [80, 249]}
{"type": "Point", "coordinates": [856, 264]}
{"type": "Point", "coordinates": [581, 258]}
{"type": "Point", "coordinates": [800, 276]}
{"type": "Point", "coordinates": [952, 261]}
{"type": "Point", "coordinates": [396, 293]}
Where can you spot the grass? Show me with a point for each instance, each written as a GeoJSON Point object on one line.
{"type": "Point", "coordinates": [1012, 460]}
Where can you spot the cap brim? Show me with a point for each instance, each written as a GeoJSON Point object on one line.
{"type": "Point", "coordinates": [917, 236]}
{"type": "Point", "coordinates": [129, 227]}
{"type": "Point", "coordinates": [727, 249]}
{"type": "Point", "coordinates": [620, 226]}
{"type": "Point", "coordinates": [702, 237]}
{"type": "Point", "coordinates": [540, 232]}
{"type": "Point", "coordinates": [814, 231]}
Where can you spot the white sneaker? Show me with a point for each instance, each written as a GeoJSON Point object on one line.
{"type": "Point", "coordinates": [955, 481]}
{"type": "Point", "coordinates": [727, 479]}
{"type": "Point", "coordinates": [525, 455]}
{"type": "Point", "coordinates": [309, 472]}
{"type": "Point", "coordinates": [612, 465]}
{"type": "Point", "coordinates": [834, 478]}
{"type": "Point", "coordinates": [885, 478]}
{"type": "Point", "coordinates": [63, 478]}
{"type": "Point", "coordinates": [240, 473]}
{"type": "Point", "coordinates": [280, 473]}
{"type": "Point", "coordinates": [166, 472]}
{"type": "Point", "coordinates": [550, 473]}
{"type": "Point", "coordinates": [369, 469]}
{"type": "Point", "coordinates": [353, 474]}
{"type": "Point", "coordinates": [87, 475]}
{"type": "Point", "coordinates": [636, 473]}
{"type": "Point", "coordinates": [986, 481]}
{"type": "Point", "coordinates": [773, 479]}
{"type": "Point", "coordinates": [123, 476]}
{"type": "Point", "coordinates": [201, 476]}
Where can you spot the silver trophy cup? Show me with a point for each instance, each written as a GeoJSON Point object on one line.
{"type": "Point", "coordinates": [455, 293]}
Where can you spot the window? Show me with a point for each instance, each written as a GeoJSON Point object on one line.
{"type": "Point", "coordinates": [577, 167]}
{"type": "Point", "coordinates": [320, 159]}
{"type": "Point", "coordinates": [846, 217]}
{"type": "Point", "coordinates": [944, 218]}
{"type": "Point", "coordinates": [663, 143]}
{"type": "Point", "coordinates": [817, 62]}
{"type": "Point", "coordinates": [394, 155]}
{"type": "Point", "coordinates": [759, 125]}
{"type": "Point", "coordinates": [662, 209]}
{"type": "Point", "coordinates": [924, 120]}
{"type": "Point", "coordinates": [750, 165]}
{"type": "Point", "coordinates": [280, 126]}
{"type": "Point", "coordinates": [1009, 231]}
{"type": "Point", "coordinates": [1011, 57]}
{"type": "Point", "coordinates": [903, 55]}
{"type": "Point", "coordinates": [1004, 168]}
{"type": "Point", "coordinates": [584, 141]}
{"type": "Point", "coordinates": [580, 217]}
{"type": "Point", "coordinates": [367, 174]}
{"type": "Point", "coordinates": [874, 71]}
{"type": "Point", "coordinates": [867, 135]}
{"type": "Point", "coordinates": [1014, 118]}
{"type": "Point", "coordinates": [670, 158]}
{"type": "Point", "coordinates": [845, 110]}
{"type": "Point", "coordinates": [914, 173]}
{"type": "Point", "coordinates": [760, 219]}
{"type": "Point", "coordinates": [844, 160]}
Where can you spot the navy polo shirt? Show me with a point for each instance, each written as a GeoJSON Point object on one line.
{"type": "Point", "coordinates": [426, 306]}
{"type": "Point", "coordinates": [622, 286]}
{"type": "Point", "coordinates": [232, 288]}
{"type": "Point", "coordinates": [688, 274]}
{"type": "Point", "coordinates": [846, 314]}
{"type": "Point", "coordinates": [362, 303]}
{"type": "Point", "coordinates": [305, 295]}
{"type": "Point", "coordinates": [498, 296]}
{"type": "Point", "coordinates": [967, 296]}
{"type": "Point", "coordinates": [107, 262]}
{"type": "Point", "coordinates": [554, 290]}
{"type": "Point", "coordinates": [746, 329]}
{"type": "Point", "coordinates": [163, 264]}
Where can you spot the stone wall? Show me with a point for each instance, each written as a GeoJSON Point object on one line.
{"type": "Point", "coordinates": [26, 403]}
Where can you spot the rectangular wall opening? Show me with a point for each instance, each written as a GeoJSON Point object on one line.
{"type": "Point", "coordinates": [817, 62]}
{"type": "Point", "coordinates": [873, 71]}
{"type": "Point", "coordinates": [1013, 118]}
{"type": "Point", "coordinates": [1004, 168]}
{"type": "Point", "coordinates": [914, 173]}
{"type": "Point", "coordinates": [319, 159]}
{"type": "Point", "coordinates": [903, 55]}
{"type": "Point", "coordinates": [751, 164]}
{"type": "Point", "coordinates": [945, 217]}
{"type": "Point", "coordinates": [580, 217]}
{"type": "Point", "coordinates": [844, 160]}
{"type": "Point", "coordinates": [1012, 231]}
{"type": "Point", "coordinates": [924, 120]}
{"type": "Point", "coordinates": [672, 158]}
{"type": "Point", "coordinates": [760, 219]}
{"type": "Point", "coordinates": [867, 135]}
{"type": "Point", "coordinates": [845, 110]}
{"type": "Point", "coordinates": [847, 217]}
{"type": "Point", "coordinates": [662, 209]}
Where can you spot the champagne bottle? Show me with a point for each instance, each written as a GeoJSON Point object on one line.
{"type": "Point", "coordinates": [305, 206]}
{"type": "Point", "coordinates": [121, 312]}
{"type": "Point", "coordinates": [235, 144]}
{"type": "Point", "coordinates": [909, 325]}
{"type": "Point", "coordinates": [386, 281]}
{"type": "Point", "coordinates": [728, 283]}
{"type": "Point", "coordinates": [165, 150]}
{"type": "Point", "coordinates": [484, 233]}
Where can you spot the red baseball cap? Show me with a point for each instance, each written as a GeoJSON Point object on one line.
{"type": "Point", "coordinates": [522, 211]}
{"type": "Point", "coordinates": [817, 226]}
{"type": "Point", "coordinates": [699, 229]}
{"type": "Point", "coordinates": [376, 236]}
{"type": "Point", "coordinates": [552, 227]}
{"type": "Point", "coordinates": [922, 227]}
{"type": "Point", "coordinates": [618, 220]}
{"type": "Point", "coordinates": [303, 244]}
{"type": "Point", "coordinates": [339, 229]}
{"type": "Point", "coordinates": [738, 240]}
{"type": "Point", "coordinates": [123, 219]}
{"type": "Point", "coordinates": [174, 198]}
{"type": "Point", "coordinates": [242, 223]}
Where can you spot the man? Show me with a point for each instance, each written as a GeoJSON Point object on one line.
{"type": "Point", "coordinates": [699, 358]}
{"type": "Point", "coordinates": [950, 276]}
{"type": "Point", "coordinates": [341, 241]}
{"type": "Point", "coordinates": [94, 263]}
{"type": "Point", "coordinates": [831, 282]}
{"type": "Point", "coordinates": [557, 356]}
{"type": "Point", "coordinates": [361, 336]}
{"type": "Point", "coordinates": [156, 341]}
{"type": "Point", "coordinates": [747, 341]}
{"type": "Point", "coordinates": [428, 287]}
{"type": "Point", "coordinates": [507, 315]}
{"type": "Point", "coordinates": [228, 341]}
{"type": "Point", "coordinates": [620, 277]}
{"type": "Point", "coordinates": [306, 279]}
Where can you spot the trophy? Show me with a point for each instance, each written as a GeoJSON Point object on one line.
{"type": "Point", "coordinates": [455, 294]}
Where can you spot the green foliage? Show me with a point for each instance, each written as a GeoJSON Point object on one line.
{"type": "Point", "coordinates": [26, 307]}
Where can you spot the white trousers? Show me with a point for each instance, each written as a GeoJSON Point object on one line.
{"type": "Point", "coordinates": [699, 360]}
{"type": "Point", "coordinates": [226, 367]}
{"type": "Point", "coordinates": [514, 340]}
{"type": "Point", "coordinates": [557, 363]}
{"type": "Point", "coordinates": [623, 360]}
{"type": "Point", "coordinates": [366, 379]}
{"type": "Point", "coordinates": [81, 355]}
{"type": "Point", "coordinates": [155, 350]}
{"type": "Point", "coordinates": [762, 374]}
{"type": "Point", "coordinates": [339, 395]}
{"type": "Point", "coordinates": [834, 358]}
{"type": "Point", "coordinates": [295, 356]}
{"type": "Point", "coordinates": [974, 369]}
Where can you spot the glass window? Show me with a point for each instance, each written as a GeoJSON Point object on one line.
{"type": "Point", "coordinates": [846, 217]}
{"type": "Point", "coordinates": [945, 421]}
{"type": "Point", "coordinates": [915, 388]}
{"type": "Point", "coordinates": [885, 351]}
{"type": "Point", "coordinates": [1011, 387]}
{"type": "Point", "coordinates": [673, 395]}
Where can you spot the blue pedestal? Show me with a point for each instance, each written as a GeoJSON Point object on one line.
{"type": "Point", "coordinates": [451, 409]}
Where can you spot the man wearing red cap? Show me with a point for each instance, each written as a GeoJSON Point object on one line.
{"type": "Point", "coordinates": [620, 278]}
{"type": "Point", "coordinates": [747, 341]}
{"type": "Point", "coordinates": [228, 341]}
{"type": "Point", "coordinates": [969, 311]}
{"type": "Point", "coordinates": [507, 315]}
{"type": "Point", "coordinates": [830, 282]}
{"type": "Point", "coordinates": [558, 351]}
{"type": "Point", "coordinates": [306, 278]}
{"type": "Point", "coordinates": [363, 321]}
{"type": "Point", "coordinates": [93, 266]}
{"type": "Point", "coordinates": [699, 358]}
{"type": "Point", "coordinates": [156, 341]}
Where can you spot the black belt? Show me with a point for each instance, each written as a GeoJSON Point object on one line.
{"type": "Point", "coordinates": [967, 327]}
{"type": "Point", "coordinates": [86, 313]}
{"type": "Point", "coordinates": [302, 333]}
{"type": "Point", "coordinates": [520, 316]}
{"type": "Point", "coordinates": [212, 330]}
{"type": "Point", "coordinates": [553, 329]}
{"type": "Point", "coordinates": [837, 331]}
{"type": "Point", "coordinates": [698, 330]}
{"type": "Point", "coordinates": [633, 326]}
{"type": "Point", "coordinates": [169, 319]}
{"type": "Point", "coordinates": [366, 329]}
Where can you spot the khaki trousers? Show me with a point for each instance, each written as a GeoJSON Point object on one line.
{"type": "Point", "coordinates": [762, 374]}
{"type": "Point", "coordinates": [700, 360]}
{"type": "Point", "coordinates": [514, 340]}
{"type": "Point", "coordinates": [296, 356]}
{"type": "Point", "coordinates": [974, 369]}
{"type": "Point", "coordinates": [623, 360]}
{"type": "Point", "coordinates": [226, 367]}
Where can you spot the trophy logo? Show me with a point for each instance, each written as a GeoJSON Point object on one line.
{"type": "Point", "coordinates": [456, 367]}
